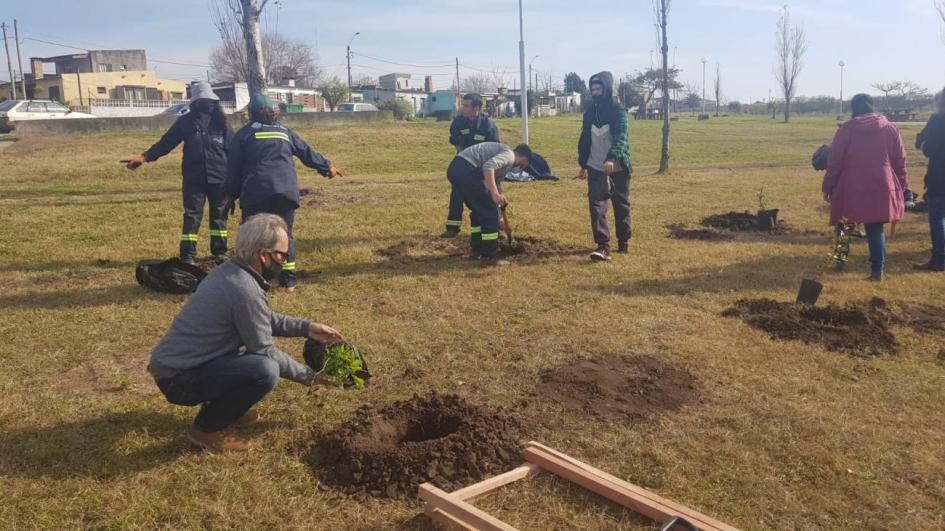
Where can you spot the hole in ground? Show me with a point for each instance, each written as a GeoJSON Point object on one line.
{"type": "Point", "coordinates": [430, 427]}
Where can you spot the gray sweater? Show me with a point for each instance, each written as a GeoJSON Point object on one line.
{"type": "Point", "coordinates": [228, 314]}
{"type": "Point", "coordinates": [490, 156]}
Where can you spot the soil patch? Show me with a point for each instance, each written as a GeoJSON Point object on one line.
{"type": "Point", "coordinates": [439, 249]}
{"type": "Point", "coordinates": [207, 263]}
{"type": "Point", "coordinates": [680, 232]}
{"type": "Point", "coordinates": [317, 198]}
{"type": "Point", "coordinates": [624, 388]}
{"type": "Point", "coordinates": [742, 222]}
{"type": "Point", "coordinates": [387, 451]}
{"type": "Point", "coordinates": [861, 329]}
{"type": "Point", "coordinates": [923, 318]}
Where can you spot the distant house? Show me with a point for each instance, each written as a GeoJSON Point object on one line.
{"type": "Point", "coordinates": [237, 95]}
{"type": "Point", "coordinates": [100, 75]}
{"type": "Point", "coordinates": [376, 94]}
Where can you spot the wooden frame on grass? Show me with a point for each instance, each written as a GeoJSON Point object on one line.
{"type": "Point", "coordinates": [453, 510]}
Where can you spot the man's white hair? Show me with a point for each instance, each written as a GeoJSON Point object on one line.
{"type": "Point", "coordinates": [260, 232]}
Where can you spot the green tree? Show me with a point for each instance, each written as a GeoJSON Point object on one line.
{"type": "Point", "coordinates": [401, 109]}
{"type": "Point", "coordinates": [334, 91]}
{"type": "Point", "coordinates": [574, 83]}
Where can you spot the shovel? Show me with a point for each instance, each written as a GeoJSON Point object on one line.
{"type": "Point", "coordinates": [508, 228]}
{"type": "Point", "coordinates": [812, 287]}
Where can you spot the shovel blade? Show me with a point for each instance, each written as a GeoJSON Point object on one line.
{"type": "Point", "coordinates": [809, 292]}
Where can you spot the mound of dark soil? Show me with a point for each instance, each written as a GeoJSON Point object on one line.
{"type": "Point", "coordinates": [625, 388]}
{"type": "Point", "coordinates": [734, 221]}
{"type": "Point", "coordinates": [855, 328]}
{"type": "Point", "coordinates": [680, 232]}
{"type": "Point", "coordinates": [208, 263]}
{"type": "Point", "coordinates": [388, 451]}
{"type": "Point", "coordinates": [529, 246]}
{"type": "Point", "coordinates": [923, 318]}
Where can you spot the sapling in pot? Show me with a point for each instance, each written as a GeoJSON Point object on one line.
{"type": "Point", "coordinates": [767, 218]}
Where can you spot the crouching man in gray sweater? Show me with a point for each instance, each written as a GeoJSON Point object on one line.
{"type": "Point", "coordinates": [219, 353]}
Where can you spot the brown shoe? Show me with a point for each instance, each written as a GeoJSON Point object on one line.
{"type": "Point", "coordinates": [248, 418]}
{"type": "Point", "coordinates": [217, 441]}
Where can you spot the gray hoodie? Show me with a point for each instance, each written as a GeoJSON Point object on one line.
{"type": "Point", "coordinates": [228, 314]}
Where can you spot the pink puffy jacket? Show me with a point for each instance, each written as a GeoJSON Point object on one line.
{"type": "Point", "coordinates": [866, 172]}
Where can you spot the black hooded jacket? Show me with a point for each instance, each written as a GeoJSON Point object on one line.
{"type": "Point", "coordinates": [932, 143]}
{"type": "Point", "coordinates": [606, 111]}
{"type": "Point", "coordinates": [204, 148]}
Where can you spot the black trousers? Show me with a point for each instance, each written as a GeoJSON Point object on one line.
{"type": "Point", "coordinates": [195, 195]}
{"type": "Point", "coordinates": [454, 219]}
{"type": "Point", "coordinates": [285, 209]}
{"type": "Point", "coordinates": [468, 181]}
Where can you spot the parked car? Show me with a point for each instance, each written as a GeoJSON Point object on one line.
{"type": "Point", "coordinates": [177, 110]}
{"type": "Point", "coordinates": [12, 111]}
{"type": "Point", "coordinates": [356, 107]}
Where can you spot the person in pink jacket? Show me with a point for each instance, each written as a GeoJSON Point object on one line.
{"type": "Point", "coordinates": [866, 177]}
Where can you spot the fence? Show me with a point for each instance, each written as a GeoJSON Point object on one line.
{"type": "Point", "coordinates": [109, 108]}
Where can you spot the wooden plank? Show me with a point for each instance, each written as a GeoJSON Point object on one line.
{"type": "Point", "coordinates": [488, 485]}
{"type": "Point", "coordinates": [632, 496]}
{"type": "Point", "coordinates": [460, 510]}
{"type": "Point", "coordinates": [681, 509]}
{"type": "Point", "coordinates": [448, 521]}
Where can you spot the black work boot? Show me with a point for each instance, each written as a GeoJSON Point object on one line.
{"type": "Point", "coordinates": [928, 266]}
{"type": "Point", "coordinates": [450, 232]}
{"type": "Point", "coordinates": [623, 247]}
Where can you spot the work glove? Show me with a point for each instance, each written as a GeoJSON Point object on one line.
{"type": "Point", "coordinates": [334, 172]}
{"type": "Point", "coordinates": [134, 163]}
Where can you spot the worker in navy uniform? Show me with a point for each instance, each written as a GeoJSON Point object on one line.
{"type": "Point", "coordinates": [205, 135]}
{"type": "Point", "coordinates": [261, 172]}
{"type": "Point", "coordinates": [469, 128]}
{"type": "Point", "coordinates": [474, 173]}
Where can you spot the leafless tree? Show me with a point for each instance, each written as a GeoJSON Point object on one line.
{"type": "Point", "coordinates": [791, 46]}
{"type": "Point", "coordinates": [499, 77]}
{"type": "Point", "coordinates": [940, 7]}
{"type": "Point", "coordinates": [236, 19]}
{"type": "Point", "coordinates": [480, 83]}
{"type": "Point", "coordinates": [284, 59]}
{"type": "Point", "coordinates": [886, 88]}
{"type": "Point", "coordinates": [661, 12]}
{"type": "Point", "coordinates": [718, 88]}
{"type": "Point", "coordinates": [693, 96]}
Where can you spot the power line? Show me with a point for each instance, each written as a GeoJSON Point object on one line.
{"type": "Point", "coordinates": [386, 70]}
{"type": "Point", "coordinates": [388, 61]}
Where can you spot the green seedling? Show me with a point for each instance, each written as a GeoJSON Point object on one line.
{"type": "Point", "coordinates": [342, 362]}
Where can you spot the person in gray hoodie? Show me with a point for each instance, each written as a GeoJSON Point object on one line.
{"type": "Point", "coordinates": [219, 353]}
{"type": "Point", "coordinates": [604, 156]}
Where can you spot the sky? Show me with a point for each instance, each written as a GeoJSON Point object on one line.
{"type": "Point", "coordinates": [879, 40]}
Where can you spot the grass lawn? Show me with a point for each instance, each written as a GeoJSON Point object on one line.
{"type": "Point", "coordinates": [782, 435]}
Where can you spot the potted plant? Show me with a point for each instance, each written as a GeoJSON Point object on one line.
{"type": "Point", "coordinates": [767, 218]}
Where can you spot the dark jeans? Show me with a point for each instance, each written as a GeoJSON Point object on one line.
{"type": "Point", "coordinates": [937, 228]}
{"type": "Point", "coordinates": [468, 181]}
{"type": "Point", "coordinates": [285, 209]}
{"type": "Point", "coordinates": [876, 236]}
{"type": "Point", "coordinates": [195, 195]}
{"type": "Point", "coordinates": [600, 192]}
{"type": "Point", "coordinates": [226, 387]}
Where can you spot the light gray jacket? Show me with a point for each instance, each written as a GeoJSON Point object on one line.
{"type": "Point", "coordinates": [228, 314]}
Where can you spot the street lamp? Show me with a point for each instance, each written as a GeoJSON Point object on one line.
{"type": "Point", "coordinates": [349, 59]}
{"type": "Point", "coordinates": [842, 64]}
{"type": "Point", "coordinates": [521, 68]}
{"type": "Point", "coordinates": [704, 61]}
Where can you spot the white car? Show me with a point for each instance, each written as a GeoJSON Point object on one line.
{"type": "Point", "coordinates": [12, 111]}
{"type": "Point", "coordinates": [356, 107]}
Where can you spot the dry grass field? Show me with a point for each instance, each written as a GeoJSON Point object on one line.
{"type": "Point", "coordinates": [773, 434]}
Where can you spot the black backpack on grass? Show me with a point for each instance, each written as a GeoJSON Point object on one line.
{"type": "Point", "coordinates": [820, 158]}
{"type": "Point", "coordinates": [169, 276]}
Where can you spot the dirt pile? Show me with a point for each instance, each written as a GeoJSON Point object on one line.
{"type": "Point", "coordinates": [623, 388]}
{"type": "Point", "coordinates": [439, 249]}
{"type": "Point", "coordinates": [861, 329]}
{"type": "Point", "coordinates": [923, 318]}
{"type": "Point", "coordinates": [742, 222]}
{"type": "Point", "coordinates": [680, 232]}
{"type": "Point", "coordinates": [388, 451]}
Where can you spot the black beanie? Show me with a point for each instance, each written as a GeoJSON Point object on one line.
{"type": "Point", "coordinates": [862, 104]}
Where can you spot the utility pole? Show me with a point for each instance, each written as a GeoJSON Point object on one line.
{"type": "Point", "coordinates": [6, 45]}
{"type": "Point", "coordinates": [19, 62]}
{"type": "Point", "coordinates": [349, 58]}
{"type": "Point", "coordinates": [521, 68]}
{"type": "Point", "coordinates": [842, 64]}
{"type": "Point", "coordinates": [457, 77]}
{"type": "Point", "coordinates": [704, 61]}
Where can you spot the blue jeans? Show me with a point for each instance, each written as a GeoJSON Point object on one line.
{"type": "Point", "coordinates": [876, 236]}
{"type": "Point", "coordinates": [937, 228]}
{"type": "Point", "coordinates": [226, 387]}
